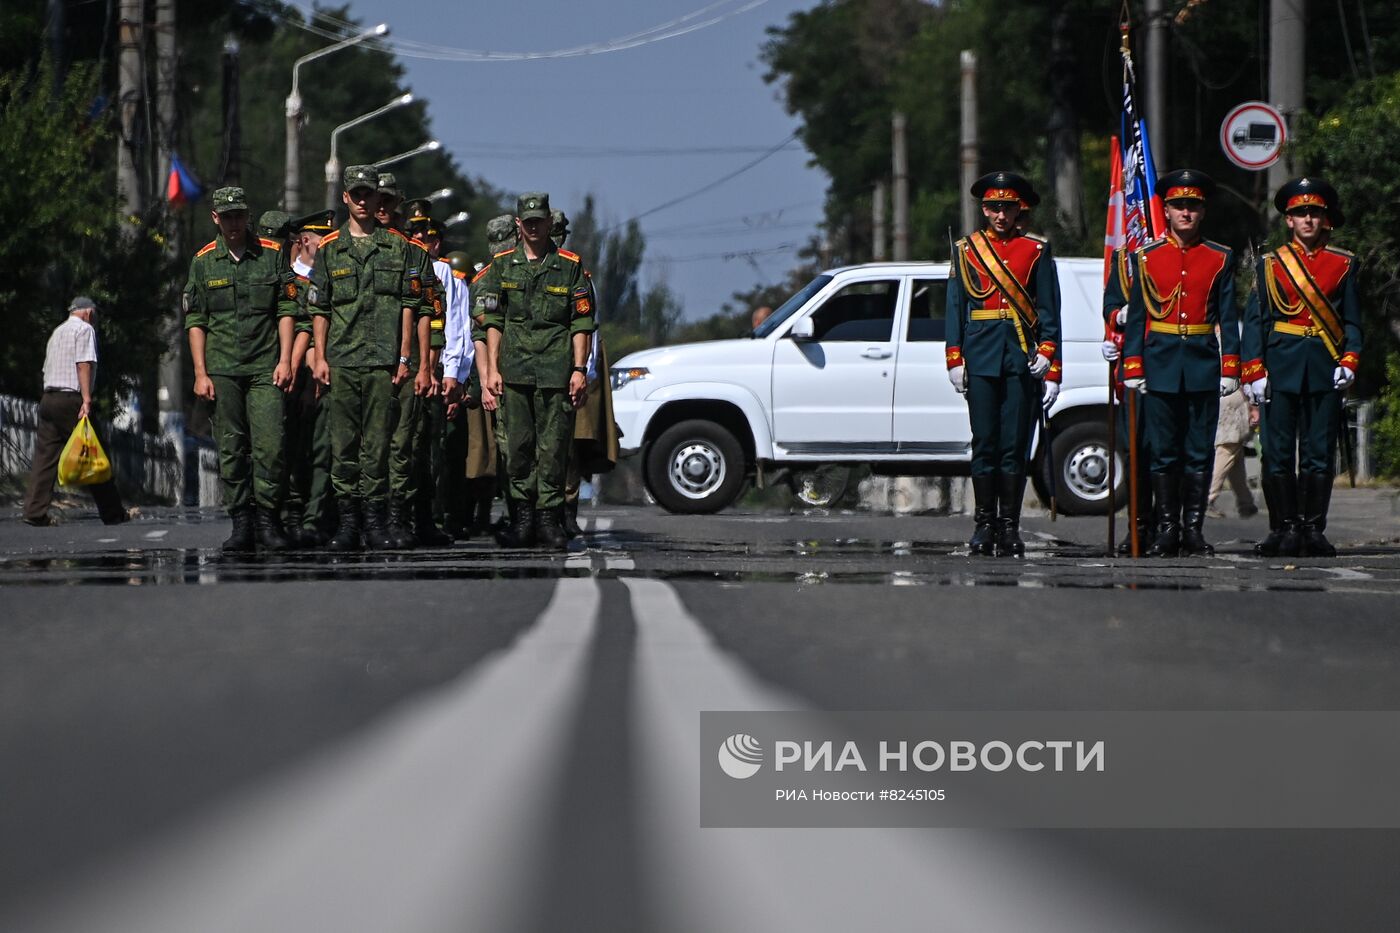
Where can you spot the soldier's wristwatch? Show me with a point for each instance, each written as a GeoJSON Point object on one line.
{"type": "Point", "coordinates": [581, 369]}
{"type": "Point", "coordinates": [403, 361]}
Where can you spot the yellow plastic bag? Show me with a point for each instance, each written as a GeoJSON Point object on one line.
{"type": "Point", "coordinates": [83, 461]}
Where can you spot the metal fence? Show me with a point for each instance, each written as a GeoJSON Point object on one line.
{"type": "Point", "coordinates": [146, 467]}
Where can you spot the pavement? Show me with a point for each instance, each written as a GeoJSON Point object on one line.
{"type": "Point", "coordinates": [470, 739]}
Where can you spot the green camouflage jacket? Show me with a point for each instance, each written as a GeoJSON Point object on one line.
{"type": "Point", "coordinates": [238, 304]}
{"type": "Point", "coordinates": [537, 307]}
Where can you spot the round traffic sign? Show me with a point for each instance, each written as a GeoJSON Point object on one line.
{"type": "Point", "coordinates": [1253, 135]}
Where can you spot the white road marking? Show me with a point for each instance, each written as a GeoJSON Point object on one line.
{"type": "Point", "coordinates": [106, 540]}
{"type": "Point", "coordinates": [578, 562]}
{"type": "Point", "coordinates": [157, 534]}
{"type": "Point", "coordinates": [1347, 573]}
{"type": "Point", "coordinates": [822, 879]}
{"type": "Point", "coordinates": [602, 524]}
{"type": "Point", "coordinates": [427, 822]}
{"type": "Point", "coordinates": [618, 562]}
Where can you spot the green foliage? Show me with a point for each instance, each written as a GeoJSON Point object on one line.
{"type": "Point", "coordinates": [1385, 429]}
{"type": "Point", "coordinates": [69, 239]}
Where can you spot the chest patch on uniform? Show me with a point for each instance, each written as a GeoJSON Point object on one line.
{"type": "Point", "coordinates": [557, 289]}
{"type": "Point", "coordinates": [583, 306]}
{"type": "Point", "coordinates": [341, 273]}
{"type": "Point", "coordinates": [507, 283]}
{"type": "Point", "coordinates": [218, 283]}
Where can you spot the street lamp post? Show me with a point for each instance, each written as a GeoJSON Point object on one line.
{"type": "Point", "coordinates": [431, 145]}
{"type": "Point", "coordinates": [460, 217]}
{"type": "Point", "coordinates": [291, 179]}
{"type": "Point", "coordinates": [333, 163]}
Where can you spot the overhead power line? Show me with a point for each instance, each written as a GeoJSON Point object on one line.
{"type": "Point", "coordinates": [694, 21]}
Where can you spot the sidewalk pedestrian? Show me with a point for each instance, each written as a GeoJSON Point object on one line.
{"type": "Point", "coordinates": [1232, 432]}
{"type": "Point", "coordinates": [70, 370]}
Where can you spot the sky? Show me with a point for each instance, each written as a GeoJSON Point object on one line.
{"type": "Point", "coordinates": [622, 125]}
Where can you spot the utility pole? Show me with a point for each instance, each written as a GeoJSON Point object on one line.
{"type": "Point", "coordinates": [53, 32]}
{"type": "Point", "coordinates": [1063, 129]}
{"type": "Point", "coordinates": [967, 146]}
{"type": "Point", "coordinates": [1286, 41]}
{"type": "Point", "coordinates": [130, 38]}
{"type": "Point", "coordinates": [901, 189]}
{"type": "Point", "coordinates": [233, 131]}
{"type": "Point", "coordinates": [877, 222]}
{"type": "Point", "coordinates": [1157, 81]}
{"type": "Point", "coordinates": [170, 396]}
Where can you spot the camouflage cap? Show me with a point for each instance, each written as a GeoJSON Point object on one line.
{"type": "Point", "coordinates": [558, 223]}
{"type": "Point", "coordinates": [316, 222]}
{"type": "Point", "coordinates": [360, 176]}
{"type": "Point", "coordinates": [388, 184]}
{"type": "Point", "coordinates": [532, 204]}
{"type": "Point", "coordinates": [275, 225]}
{"type": "Point", "coordinates": [231, 198]}
{"type": "Point", "coordinates": [500, 231]}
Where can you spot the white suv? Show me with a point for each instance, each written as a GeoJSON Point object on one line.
{"type": "Point", "coordinates": [850, 370]}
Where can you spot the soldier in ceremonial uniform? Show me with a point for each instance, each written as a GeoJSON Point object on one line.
{"type": "Point", "coordinates": [1116, 293]}
{"type": "Point", "coordinates": [1003, 315]}
{"type": "Point", "coordinates": [308, 511]}
{"type": "Point", "coordinates": [240, 308]}
{"type": "Point", "coordinates": [458, 494]}
{"type": "Point", "coordinates": [1183, 291]}
{"type": "Point", "coordinates": [538, 312]}
{"type": "Point", "coordinates": [366, 291]}
{"type": "Point", "coordinates": [1302, 344]}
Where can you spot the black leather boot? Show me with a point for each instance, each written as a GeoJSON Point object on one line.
{"type": "Point", "coordinates": [1011, 490]}
{"type": "Point", "coordinates": [270, 537]}
{"type": "Point", "coordinates": [1281, 496]}
{"type": "Point", "coordinates": [1144, 518]}
{"type": "Point", "coordinates": [424, 528]}
{"type": "Point", "coordinates": [377, 536]}
{"type": "Point", "coordinates": [1166, 497]}
{"type": "Point", "coordinates": [347, 531]}
{"type": "Point", "coordinates": [397, 530]}
{"type": "Point", "coordinates": [550, 529]}
{"type": "Point", "coordinates": [291, 529]}
{"type": "Point", "coordinates": [521, 532]}
{"type": "Point", "coordinates": [241, 541]}
{"type": "Point", "coordinates": [1195, 492]}
{"type": "Point", "coordinates": [1317, 498]}
{"type": "Point", "coordinates": [984, 515]}
{"type": "Point", "coordinates": [571, 525]}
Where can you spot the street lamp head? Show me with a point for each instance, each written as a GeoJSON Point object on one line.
{"type": "Point", "coordinates": [460, 217]}
{"type": "Point", "coordinates": [381, 30]}
{"type": "Point", "coordinates": [442, 194]}
{"type": "Point", "coordinates": [404, 99]}
{"type": "Point", "coordinates": [432, 146]}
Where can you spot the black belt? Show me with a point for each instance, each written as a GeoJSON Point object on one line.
{"type": "Point", "coordinates": [48, 389]}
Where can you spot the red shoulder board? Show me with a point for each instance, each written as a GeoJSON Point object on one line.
{"type": "Point", "coordinates": [329, 237]}
{"type": "Point", "coordinates": [419, 243]}
{"type": "Point", "coordinates": [572, 257]}
{"type": "Point", "coordinates": [396, 233]}
{"type": "Point", "coordinates": [459, 274]}
{"type": "Point", "coordinates": [504, 252]}
{"type": "Point", "coordinates": [270, 244]}
{"type": "Point", "coordinates": [484, 269]}
{"type": "Point", "coordinates": [207, 247]}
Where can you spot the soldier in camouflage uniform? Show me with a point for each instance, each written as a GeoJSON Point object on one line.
{"type": "Point", "coordinates": [366, 292]}
{"type": "Point", "coordinates": [538, 311]}
{"type": "Point", "coordinates": [486, 421]}
{"type": "Point", "coordinates": [240, 310]}
{"type": "Point", "coordinates": [308, 510]}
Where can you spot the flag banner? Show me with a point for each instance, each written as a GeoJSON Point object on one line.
{"type": "Point", "coordinates": [181, 187]}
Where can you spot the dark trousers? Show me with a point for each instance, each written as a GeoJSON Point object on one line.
{"type": "Point", "coordinates": [452, 480]}
{"type": "Point", "coordinates": [1001, 410]}
{"type": "Point", "coordinates": [1180, 430]}
{"type": "Point", "coordinates": [1306, 423]}
{"type": "Point", "coordinates": [308, 458]}
{"type": "Point", "coordinates": [58, 416]}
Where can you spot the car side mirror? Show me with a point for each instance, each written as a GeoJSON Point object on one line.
{"type": "Point", "coordinates": [803, 330]}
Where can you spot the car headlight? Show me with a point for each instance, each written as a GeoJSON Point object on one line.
{"type": "Point", "coordinates": [620, 377]}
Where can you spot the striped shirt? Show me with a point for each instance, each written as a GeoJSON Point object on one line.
{"type": "Point", "coordinates": [72, 342]}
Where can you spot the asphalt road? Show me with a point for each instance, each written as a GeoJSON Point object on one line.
{"type": "Point", "coordinates": [466, 739]}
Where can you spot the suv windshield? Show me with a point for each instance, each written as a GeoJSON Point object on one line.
{"type": "Point", "coordinates": [791, 305]}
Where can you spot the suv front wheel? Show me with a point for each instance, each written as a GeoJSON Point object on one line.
{"type": "Point", "coordinates": [695, 467]}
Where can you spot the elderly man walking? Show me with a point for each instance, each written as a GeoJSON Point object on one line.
{"type": "Point", "coordinates": [70, 369]}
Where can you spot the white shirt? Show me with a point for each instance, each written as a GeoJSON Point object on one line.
{"type": "Point", "coordinates": [458, 351]}
{"type": "Point", "coordinates": [301, 268]}
{"type": "Point", "coordinates": [72, 342]}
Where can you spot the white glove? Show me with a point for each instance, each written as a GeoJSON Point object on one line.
{"type": "Point", "coordinates": [1343, 377]}
{"type": "Point", "coordinates": [1122, 316]}
{"type": "Point", "coordinates": [1050, 392]}
{"type": "Point", "coordinates": [1109, 349]}
{"type": "Point", "coordinates": [1138, 384]}
{"type": "Point", "coordinates": [1039, 366]}
{"type": "Point", "coordinates": [1258, 390]}
{"type": "Point", "coordinates": [1229, 385]}
{"type": "Point", "coordinates": [958, 377]}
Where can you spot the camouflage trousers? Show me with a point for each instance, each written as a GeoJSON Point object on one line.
{"type": "Point", "coordinates": [308, 435]}
{"type": "Point", "coordinates": [539, 433]}
{"type": "Point", "coordinates": [407, 439]}
{"type": "Point", "coordinates": [362, 413]}
{"type": "Point", "coordinates": [248, 433]}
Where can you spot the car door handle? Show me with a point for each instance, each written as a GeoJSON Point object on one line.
{"type": "Point", "coordinates": [877, 353]}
